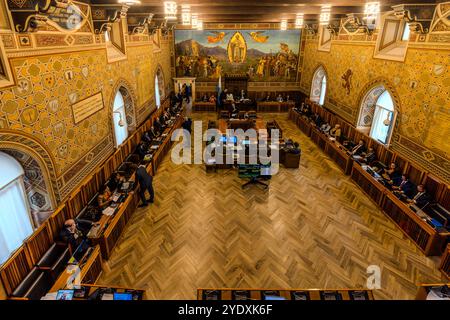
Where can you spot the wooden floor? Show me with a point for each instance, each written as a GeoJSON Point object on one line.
{"type": "Point", "coordinates": [314, 228]}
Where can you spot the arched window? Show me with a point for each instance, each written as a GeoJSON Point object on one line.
{"type": "Point", "coordinates": [377, 115]}
{"type": "Point", "coordinates": [319, 86]}
{"type": "Point", "coordinates": [383, 118]}
{"type": "Point", "coordinates": [15, 220]}
{"type": "Point", "coordinates": [406, 32]}
{"type": "Point", "coordinates": [119, 119]}
{"type": "Point", "coordinates": [157, 96]}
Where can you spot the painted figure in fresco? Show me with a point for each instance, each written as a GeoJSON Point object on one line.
{"type": "Point", "coordinates": [238, 49]}
{"type": "Point", "coordinates": [218, 36]}
{"type": "Point", "coordinates": [258, 37]}
{"type": "Point", "coordinates": [260, 69]}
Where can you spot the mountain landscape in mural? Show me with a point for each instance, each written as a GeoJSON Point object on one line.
{"type": "Point", "coordinates": [265, 55]}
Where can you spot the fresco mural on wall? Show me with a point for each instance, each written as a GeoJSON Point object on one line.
{"type": "Point", "coordinates": [266, 55]}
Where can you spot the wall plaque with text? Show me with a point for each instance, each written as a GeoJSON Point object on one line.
{"type": "Point", "coordinates": [87, 107]}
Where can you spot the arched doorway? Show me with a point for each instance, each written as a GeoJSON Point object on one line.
{"type": "Point", "coordinates": [378, 114]}
{"type": "Point", "coordinates": [319, 86]}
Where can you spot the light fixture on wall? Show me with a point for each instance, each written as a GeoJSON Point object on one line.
{"type": "Point", "coordinates": [325, 13]}
{"type": "Point", "coordinates": [121, 123]}
{"type": "Point", "coordinates": [186, 15]}
{"type": "Point", "coordinates": [371, 13]}
{"type": "Point", "coordinates": [283, 25]}
{"type": "Point", "coordinates": [299, 20]}
{"type": "Point", "coordinates": [194, 20]}
{"type": "Point", "coordinates": [170, 10]}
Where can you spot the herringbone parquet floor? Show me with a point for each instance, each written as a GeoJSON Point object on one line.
{"type": "Point", "coordinates": [313, 228]}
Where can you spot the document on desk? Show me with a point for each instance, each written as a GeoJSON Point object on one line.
{"type": "Point", "coordinates": [115, 197]}
{"type": "Point", "coordinates": [154, 147]}
{"type": "Point", "coordinates": [109, 211]}
{"type": "Point", "coordinates": [108, 296]}
{"type": "Point", "coordinates": [50, 296]}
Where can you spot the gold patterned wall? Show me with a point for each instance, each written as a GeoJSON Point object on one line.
{"type": "Point", "coordinates": [421, 84]}
{"type": "Point", "coordinates": [48, 85]}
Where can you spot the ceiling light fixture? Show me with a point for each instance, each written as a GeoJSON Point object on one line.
{"type": "Point", "coordinates": [299, 20]}
{"type": "Point", "coordinates": [371, 12]}
{"type": "Point", "coordinates": [170, 10]}
{"type": "Point", "coordinates": [283, 25]}
{"type": "Point", "coordinates": [325, 14]}
{"type": "Point", "coordinates": [186, 15]}
{"type": "Point", "coordinates": [129, 2]}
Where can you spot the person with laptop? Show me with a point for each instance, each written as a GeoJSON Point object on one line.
{"type": "Point", "coordinates": [74, 232]}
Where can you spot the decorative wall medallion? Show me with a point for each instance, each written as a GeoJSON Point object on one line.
{"type": "Point", "coordinates": [29, 116]}
{"type": "Point", "coordinates": [70, 40]}
{"type": "Point", "coordinates": [85, 71]}
{"type": "Point", "coordinates": [24, 87]}
{"type": "Point", "coordinates": [48, 80]}
{"type": "Point", "coordinates": [68, 75]}
{"type": "Point", "coordinates": [53, 105]}
{"type": "Point", "coordinates": [25, 41]}
{"type": "Point", "coordinates": [413, 84]}
{"type": "Point", "coordinates": [438, 69]}
{"type": "Point", "coordinates": [433, 89]}
{"type": "Point", "coordinates": [63, 150]}
{"type": "Point", "coordinates": [73, 97]}
{"type": "Point", "coordinates": [38, 200]}
{"type": "Point", "coordinates": [58, 129]}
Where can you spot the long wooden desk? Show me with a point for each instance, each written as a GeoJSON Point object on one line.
{"type": "Point", "coordinates": [201, 106]}
{"type": "Point", "coordinates": [259, 125]}
{"type": "Point", "coordinates": [90, 271]}
{"type": "Point", "coordinates": [424, 289]}
{"type": "Point", "coordinates": [428, 239]}
{"type": "Point", "coordinates": [274, 106]}
{"type": "Point", "coordinates": [285, 294]}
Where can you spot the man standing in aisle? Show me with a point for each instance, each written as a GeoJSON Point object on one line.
{"type": "Point", "coordinates": [145, 183]}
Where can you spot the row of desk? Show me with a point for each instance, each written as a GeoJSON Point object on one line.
{"type": "Point", "coordinates": [283, 294]}
{"type": "Point", "coordinates": [427, 238]}
{"type": "Point", "coordinates": [274, 106]}
{"type": "Point", "coordinates": [111, 227]}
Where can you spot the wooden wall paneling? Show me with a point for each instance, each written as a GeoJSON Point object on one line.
{"type": "Point", "coordinates": [434, 187]}
{"type": "Point", "coordinates": [38, 243]}
{"type": "Point", "coordinates": [15, 270]}
{"type": "Point", "coordinates": [415, 175]}
{"type": "Point", "coordinates": [445, 197]}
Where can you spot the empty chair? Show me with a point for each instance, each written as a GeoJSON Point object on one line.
{"type": "Point", "coordinates": [54, 261]}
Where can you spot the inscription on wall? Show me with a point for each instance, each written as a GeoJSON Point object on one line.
{"type": "Point", "coordinates": [87, 107]}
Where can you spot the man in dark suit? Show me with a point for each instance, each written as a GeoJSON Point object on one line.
{"type": "Point", "coordinates": [145, 183]}
{"type": "Point", "coordinates": [359, 148]}
{"type": "Point", "coordinates": [74, 232]}
{"type": "Point", "coordinates": [422, 198]}
{"type": "Point", "coordinates": [405, 187]}
{"type": "Point", "coordinates": [142, 150]}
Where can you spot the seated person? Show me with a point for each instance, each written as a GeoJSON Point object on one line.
{"type": "Point", "coordinates": [422, 198]}
{"type": "Point", "coordinates": [205, 98]}
{"type": "Point", "coordinates": [158, 126]}
{"type": "Point", "coordinates": [325, 127]}
{"type": "Point", "coordinates": [369, 157]}
{"type": "Point", "coordinates": [230, 97]}
{"type": "Point", "coordinates": [116, 181]}
{"type": "Point", "coordinates": [359, 148]}
{"type": "Point", "coordinates": [295, 149]}
{"type": "Point", "coordinates": [336, 131]}
{"type": "Point", "coordinates": [153, 132]}
{"type": "Point", "coordinates": [405, 187]}
{"type": "Point", "coordinates": [142, 150]}
{"type": "Point", "coordinates": [104, 197]}
{"type": "Point", "coordinates": [392, 175]}
{"type": "Point", "coordinates": [317, 120]}
{"type": "Point", "coordinates": [75, 231]}
{"type": "Point", "coordinates": [147, 137]}
{"type": "Point", "coordinates": [287, 98]}
{"type": "Point", "coordinates": [187, 124]}
{"type": "Point", "coordinates": [279, 98]}
{"type": "Point", "coordinates": [243, 95]}
{"type": "Point", "coordinates": [268, 98]}
{"type": "Point", "coordinates": [212, 99]}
